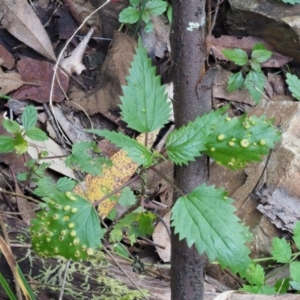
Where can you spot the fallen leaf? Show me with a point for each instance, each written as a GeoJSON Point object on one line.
{"type": "Point", "coordinates": [20, 20]}
{"type": "Point", "coordinates": [112, 178]}
{"type": "Point", "coordinates": [9, 82]}
{"type": "Point", "coordinates": [41, 73]}
{"type": "Point", "coordinates": [8, 60]}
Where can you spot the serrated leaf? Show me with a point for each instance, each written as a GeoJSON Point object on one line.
{"type": "Point", "coordinates": [255, 275]}
{"type": "Point", "coordinates": [296, 236]}
{"type": "Point", "coordinates": [45, 186]}
{"type": "Point", "coordinates": [136, 151]}
{"type": "Point", "coordinates": [65, 184]}
{"type": "Point", "coordinates": [7, 144]}
{"type": "Point", "coordinates": [234, 142]}
{"type": "Point", "coordinates": [186, 143]}
{"type": "Point", "coordinates": [291, 1]}
{"type": "Point", "coordinates": [281, 251]}
{"type": "Point", "coordinates": [238, 56]}
{"type": "Point", "coordinates": [235, 82]}
{"type": "Point", "coordinates": [263, 290]}
{"type": "Point", "coordinates": [205, 217]}
{"type": "Point", "coordinates": [282, 285]}
{"type": "Point", "coordinates": [294, 85]}
{"type": "Point", "coordinates": [127, 197]}
{"type": "Point", "coordinates": [68, 225]}
{"type": "Point", "coordinates": [134, 3]}
{"type": "Point", "coordinates": [20, 144]}
{"type": "Point", "coordinates": [144, 104]}
{"type": "Point", "coordinates": [156, 7]}
{"type": "Point", "coordinates": [81, 158]}
{"type": "Point", "coordinates": [11, 126]}
{"type": "Point", "coordinates": [259, 46]}
{"type": "Point", "coordinates": [295, 271]}
{"type": "Point", "coordinates": [255, 66]}
{"type": "Point", "coordinates": [260, 55]}
{"type": "Point", "coordinates": [255, 83]}
{"type": "Point", "coordinates": [36, 134]}
{"type": "Point", "coordinates": [129, 15]}
{"type": "Point", "coordinates": [29, 117]}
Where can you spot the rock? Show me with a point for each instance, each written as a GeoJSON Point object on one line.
{"type": "Point", "coordinates": [276, 22]}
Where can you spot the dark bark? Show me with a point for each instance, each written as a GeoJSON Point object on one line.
{"type": "Point", "coordinates": [188, 50]}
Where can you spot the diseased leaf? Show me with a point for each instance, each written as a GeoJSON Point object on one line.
{"type": "Point", "coordinates": [7, 144]}
{"type": "Point", "coordinates": [144, 104]}
{"type": "Point", "coordinates": [67, 225]}
{"type": "Point", "coordinates": [186, 143]}
{"type": "Point", "coordinates": [205, 217]}
{"type": "Point", "coordinates": [260, 55]}
{"type": "Point", "coordinates": [36, 134]}
{"type": "Point", "coordinates": [238, 56]}
{"type": "Point", "coordinates": [11, 126]}
{"type": "Point", "coordinates": [255, 83]}
{"type": "Point", "coordinates": [294, 85]}
{"type": "Point", "coordinates": [29, 117]}
{"type": "Point", "coordinates": [282, 251]}
{"type": "Point", "coordinates": [233, 142]}
{"type": "Point", "coordinates": [136, 151]}
{"type": "Point", "coordinates": [235, 82]}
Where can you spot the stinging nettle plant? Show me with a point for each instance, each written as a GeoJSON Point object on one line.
{"type": "Point", "coordinates": [68, 224]}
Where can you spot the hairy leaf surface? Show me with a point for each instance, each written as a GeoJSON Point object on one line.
{"type": "Point", "coordinates": [205, 217]}
{"type": "Point", "coordinates": [144, 104]}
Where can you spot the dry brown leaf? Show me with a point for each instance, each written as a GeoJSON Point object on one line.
{"type": "Point", "coordinates": [8, 60]}
{"type": "Point", "coordinates": [41, 73]}
{"type": "Point", "coordinates": [113, 73]}
{"type": "Point", "coordinates": [9, 82]}
{"type": "Point", "coordinates": [20, 20]}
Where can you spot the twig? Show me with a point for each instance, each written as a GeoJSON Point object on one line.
{"type": "Point", "coordinates": [215, 16]}
{"type": "Point", "coordinates": [64, 280]}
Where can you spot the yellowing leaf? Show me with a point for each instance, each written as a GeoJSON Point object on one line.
{"type": "Point", "coordinates": [112, 178]}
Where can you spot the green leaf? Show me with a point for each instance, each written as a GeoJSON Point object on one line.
{"type": "Point", "coordinates": [68, 225]}
{"type": "Point", "coordinates": [291, 1]}
{"type": "Point", "coordinates": [261, 56]}
{"type": "Point", "coordinates": [22, 176]}
{"type": "Point", "coordinates": [127, 197]}
{"type": "Point", "coordinates": [255, 275]}
{"type": "Point", "coordinates": [259, 46]}
{"type": "Point", "coordinates": [296, 236]}
{"type": "Point", "coordinates": [282, 285]}
{"type": "Point", "coordinates": [11, 126]}
{"type": "Point", "coordinates": [205, 217]}
{"type": "Point", "coordinates": [134, 224]}
{"type": "Point", "coordinates": [263, 290]}
{"type": "Point", "coordinates": [294, 85]}
{"type": "Point", "coordinates": [45, 186]}
{"type": "Point", "coordinates": [295, 270]}
{"type": "Point", "coordinates": [255, 66]}
{"type": "Point", "coordinates": [65, 184]}
{"type": "Point", "coordinates": [295, 285]}
{"type": "Point", "coordinates": [36, 134]}
{"type": "Point", "coordinates": [255, 83]}
{"type": "Point", "coordinates": [20, 144]}
{"type": "Point", "coordinates": [82, 159]}
{"type": "Point", "coordinates": [6, 288]}
{"type": "Point", "coordinates": [136, 151]}
{"type": "Point", "coordinates": [156, 7]}
{"type": "Point", "coordinates": [233, 142]}
{"type": "Point", "coordinates": [238, 56]}
{"type": "Point", "coordinates": [29, 117]}
{"type": "Point", "coordinates": [134, 3]}
{"type": "Point", "coordinates": [144, 104]}
{"type": "Point", "coordinates": [186, 143]}
{"type": "Point", "coordinates": [129, 15]}
{"type": "Point", "coordinates": [149, 27]}
{"type": "Point", "coordinates": [235, 82]}
{"type": "Point", "coordinates": [282, 251]}
{"type": "Point", "coordinates": [169, 13]}
{"type": "Point", "coordinates": [7, 144]}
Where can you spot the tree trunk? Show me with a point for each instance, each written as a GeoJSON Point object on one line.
{"type": "Point", "coordinates": [188, 50]}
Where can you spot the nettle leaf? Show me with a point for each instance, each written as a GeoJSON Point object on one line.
{"type": "Point", "coordinates": [296, 236]}
{"type": "Point", "coordinates": [134, 224]}
{"type": "Point", "coordinates": [236, 141]}
{"type": "Point", "coordinates": [205, 217]}
{"type": "Point", "coordinates": [291, 1]}
{"type": "Point", "coordinates": [65, 184]}
{"type": "Point", "coordinates": [36, 134]}
{"type": "Point", "coordinates": [144, 104]}
{"type": "Point", "coordinates": [295, 271]}
{"type": "Point", "coordinates": [255, 275]}
{"type": "Point", "coordinates": [260, 55]}
{"type": "Point", "coordinates": [29, 117]}
{"type": "Point", "coordinates": [186, 143]}
{"type": "Point", "coordinates": [45, 186]}
{"type": "Point", "coordinates": [11, 126]}
{"type": "Point", "coordinates": [134, 3]}
{"type": "Point", "coordinates": [82, 159]}
{"type": "Point", "coordinates": [262, 290]}
{"type": "Point", "coordinates": [129, 15]}
{"type": "Point", "coordinates": [136, 151]}
{"type": "Point", "coordinates": [255, 83]}
{"type": "Point", "coordinates": [68, 226]}
{"type": "Point", "coordinates": [259, 46]}
{"type": "Point", "coordinates": [235, 82]}
{"type": "Point", "coordinates": [282, 251]}
{"type": "Point", "coordinates": [238, 56]}
{"type": "Point", "coordinates": [127, 197]}
{"type": "Point", "coordinates": [156, 7]}
{"type": "Point", "coordinates": [7, 144]}
{"type": "Point", "coordinates": [294, 85]}
{"type": "Point", "coordinates": [255, 66]}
